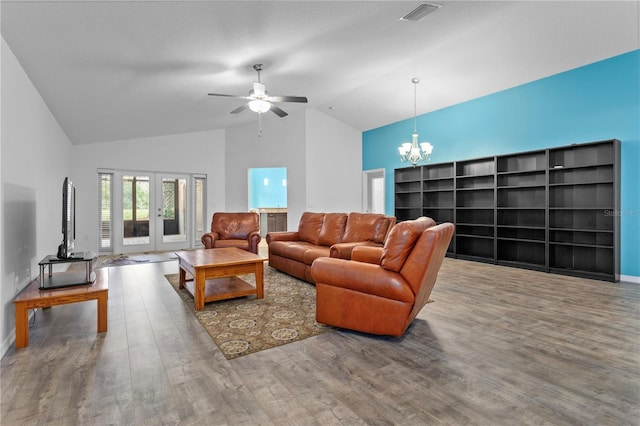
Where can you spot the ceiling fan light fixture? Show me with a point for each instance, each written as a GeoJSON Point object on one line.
{"type": "Point", "coordinates": [260, 106]}
{"type": "Point", "coordinates": [420, 12]}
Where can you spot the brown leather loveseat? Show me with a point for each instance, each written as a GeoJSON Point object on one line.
{"type": "Point", "coordinates": [324, 235]}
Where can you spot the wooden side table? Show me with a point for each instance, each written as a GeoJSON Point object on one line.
{"type": "Point", "coordinates": [32, 297]}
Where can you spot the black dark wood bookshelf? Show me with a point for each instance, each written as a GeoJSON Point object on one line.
{"type": "Point", "coordinates": [552, 210]}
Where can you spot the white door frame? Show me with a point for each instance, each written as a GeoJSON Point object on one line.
{"type": "Point", "coordinates": [155, 215]}
{"type": "Point", "coordinates": [367, 177]}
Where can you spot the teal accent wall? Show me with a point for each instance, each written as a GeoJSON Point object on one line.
{"type": "Point", "coordinates": [273, 194]}
{"type": "Point", "coordinates": [595, 102]}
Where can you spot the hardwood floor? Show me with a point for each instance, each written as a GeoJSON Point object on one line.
{"type": "Point", "coordinates": [499, 346]}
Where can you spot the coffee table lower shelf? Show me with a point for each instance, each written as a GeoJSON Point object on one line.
{"type": "Point", "coordinates": [222, 288]}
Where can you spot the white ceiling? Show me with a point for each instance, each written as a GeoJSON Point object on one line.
{"type": "Point", "coordinates": [113, 70]}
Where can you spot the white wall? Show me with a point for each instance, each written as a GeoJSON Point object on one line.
{"type": "Point", "coordinates": [320, 154]}
{"type": "Point", "coordinates": [3, 345]}
{"type": "Point", "coordinates": [200, 152]}
{"type": "Point", "coordinates": [334, 165]}
{"type": "Point", "coordinates": [282, 144]}
{"type": "Point", "coordinates": [35, 159]}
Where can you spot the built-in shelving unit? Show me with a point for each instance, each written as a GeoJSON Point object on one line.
{"type": "Point", "coordinates": [584, 202]}
{"type": "Point", "coordinates": [408, 193]}
{"type": "Point", "coordinates": [551, 210]}
{"type": "Point", "coordinates": [438, 200]}
{"type": "Point", "coordinates": [522, 210]}
{"type": "Point", "coordinates": [475, 208]}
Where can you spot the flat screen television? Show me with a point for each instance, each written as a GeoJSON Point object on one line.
{"type": "Point", "coordinates": [65, 250]}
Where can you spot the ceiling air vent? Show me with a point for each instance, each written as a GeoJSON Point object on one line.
{"type": "Point", "coordinates": [420, 12]}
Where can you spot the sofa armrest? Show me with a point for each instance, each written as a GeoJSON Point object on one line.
{"type": "Point", "coordinates": [342, 250]}
{"type": "Point", "coordinates": [209, 239]}
{"type": "Point", "coordinates": [361, 277]}
{"type": "Point", "coordinates": [345, 250]}
{"type": "Point", "coordinates": [282, 236]}
{"type": "Point", "coordinates": [367, 254]}
{"type": "Point", "coordinates": [254, 239]}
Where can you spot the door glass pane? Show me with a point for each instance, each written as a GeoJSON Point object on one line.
{"type": "Point", "coordinates": [135, 210]}
{"type": "Point", "coordinates": [174, 202]}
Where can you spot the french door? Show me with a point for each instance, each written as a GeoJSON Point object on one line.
{"type": "Point", "coordinates": [151, 212]}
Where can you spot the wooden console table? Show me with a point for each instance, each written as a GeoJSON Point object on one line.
{"type": "Point", "coordinates": [32, 297]}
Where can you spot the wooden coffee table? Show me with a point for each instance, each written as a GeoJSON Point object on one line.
{"type": "Point", "coordinates": [214, 274]}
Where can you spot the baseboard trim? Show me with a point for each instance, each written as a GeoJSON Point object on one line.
{"type": "Point", "coordinates": [11, 338]}
{"type": "Point", "coordinates": [630, 279]}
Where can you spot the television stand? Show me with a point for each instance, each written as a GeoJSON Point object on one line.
{"type": "Point", "coordinates": [33, 297]}
{"type": "Point", "coordinates": [50, 280]}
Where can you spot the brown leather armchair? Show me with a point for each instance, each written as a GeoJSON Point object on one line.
{"type": "Point", "coordinates": [381, 290]}
{"type": "Point", "coordinates": [240, 230]}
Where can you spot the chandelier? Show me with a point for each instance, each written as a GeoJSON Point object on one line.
{"type": "Point", "coordinates": [413, 151]}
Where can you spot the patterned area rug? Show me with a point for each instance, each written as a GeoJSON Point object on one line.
{"type": "Point", "coordinates": [134, 259]}
{"type": "Point", "coordinates": [247, 325]}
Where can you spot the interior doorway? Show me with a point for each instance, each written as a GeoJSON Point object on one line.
{"type": "Point", "coordinates": [373, 193]}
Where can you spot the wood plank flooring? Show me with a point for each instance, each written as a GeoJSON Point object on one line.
{"type": "Point", "coordinates": [499, 346]}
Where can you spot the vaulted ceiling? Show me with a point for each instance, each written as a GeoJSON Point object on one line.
{"type": "Point", "coordinates": [113, 70]}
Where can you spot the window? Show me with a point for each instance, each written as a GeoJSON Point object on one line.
{"type": "Point", "coordinates": [105, 189]}
{"type": "Point", "coordinates": [200, 208]}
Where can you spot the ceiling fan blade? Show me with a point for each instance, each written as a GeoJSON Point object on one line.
{"type": "Point", "coordinates": [301, 99]}
{"type": "Point", "coordinates": [227, 96]}
{"type": "Point", "coordinates": [259, 89]}
{"type": "Point", "coordinates": [239, 109]}
{"type": "Point", "coordinates": [278, 111]}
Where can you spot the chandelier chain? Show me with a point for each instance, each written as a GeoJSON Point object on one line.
{"type": "Point", "coordinates": [415, 104]}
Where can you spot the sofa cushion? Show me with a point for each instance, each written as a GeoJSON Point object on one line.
{"type": "Point", "coordinates": [314, 253]}
{"type": "Point", "coordinates": [400, 242]}
{"type": "Point", "coordinates": [332, 229]}
{"type": "Point", "coordinates": [365, 227]}
{"type": "Point", "coordinates": [237, 226]}
{"type": "Point", "coordinates": [293, 250]}
{"type": "Point", "coordinates": [242, 244]}
{"type": "Point", "coordinates": [309, 227]}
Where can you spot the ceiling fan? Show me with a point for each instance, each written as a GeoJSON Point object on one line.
{"type": "Point", "coordinates": [260, 101]}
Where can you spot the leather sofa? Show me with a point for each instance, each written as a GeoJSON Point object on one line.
{"type": "Point", "coordinates": [324, 235]}
{"type": "Point", "coordinates": [241, 230]}
{"type": "Point", "coordinates": [381, 290]}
